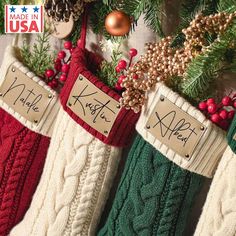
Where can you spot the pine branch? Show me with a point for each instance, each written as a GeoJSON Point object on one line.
{"type": "Point", "coordinates": [76, 32]}
{"type": "Point", "coordinates": [153, 14]}
{"type": "Point", "coordinates": [108, 73]}
{"type": "Point", "coordinates": [206, 68]}
{"type": "Point", "coordinates": [188, 10]}
{"type": "Point", "coordinates": [99, 11]}
{"type": "Point", "coordinates": [134, 8]}
{"type": "Point", "coordinates": [40, 57]}
{"type": "Point", "coordinates": [227, 6]}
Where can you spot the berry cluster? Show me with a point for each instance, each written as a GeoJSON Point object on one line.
{"type": "Point", "coordinates": [221, 114]}
{"type": "Point", "coordinates": [122, 67]}
{"type": "Point", "coordinates": [54, 77]}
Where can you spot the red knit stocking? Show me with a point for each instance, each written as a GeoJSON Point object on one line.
{"type": "Point", "coordinates": [23, 150]}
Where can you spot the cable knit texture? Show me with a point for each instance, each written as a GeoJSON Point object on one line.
{"type": "Point", "coordinates": [219, 213]}
{"type": "Point", "coordinates": [208, 151]}
{"type": "Point", "coordinates": [154, 195]}
{"type": "Point", "coordinates": [22, 153]}
{"type": "Point", "coordinates": [76, 180]}
{"type": "Point", "coordinates": [80, 165]}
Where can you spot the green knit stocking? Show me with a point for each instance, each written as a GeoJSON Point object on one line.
{"type": "Point", "coordinates": [154, 196]}
{"type": "Point", "coordinates": [231, 137]}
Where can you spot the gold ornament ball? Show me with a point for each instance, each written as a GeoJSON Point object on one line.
{"type": "Point", "coordinates": [118, 23]}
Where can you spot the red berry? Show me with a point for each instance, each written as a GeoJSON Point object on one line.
{"type": "Point", "coordinates": [122, 64]}
{"type": "Point", "coordinates": [210, 101]}
{"type": "Point", "coordinates": [223, 114]}
{"type": "Point", "coordinates": [58, 66]}
{"type": "Point", "coordinates": [118, 70]}
{"type": "Point", "coordinates": [118, 87]}
{"type": "Point", "coordinates": [133, 52]}
{"type": "Point", "coordinates": [135, 76]}
{"type": "Point", "coordinates": [224, 124]}
{"type": "Point", "coordinates": [51, 85]}
{"type": "Point", "coordinates": [63, 77]}
{"type": "Point", "coordinates": [58, 60]}
{"type": "Point", "coordinates": [49, 73]}
{"type": "Point", "coordinates": [55, 83]}
{"type": "Point", "coordinates": [226, 101]}
{"type": "Point", "coordinates": [121, 78]}
{"type": "Point", "coordinates": [212, 108]}
{"type": "Point", "coordinates": [61, 55]}
{"type": "Point", "coordinates": [68, 45]}
{"type": "Point", "coordinates": [202, 106]}
{"type": "Point", "coordinates": [65, 68]}
{"type": "Point", "coordinates": [234, 104]}
{"type": "Point", "coordinates": [215, 118]}
{"type": "Point", "coordinates": [72, 50]}
{"type": "Point", "coordinates": [231, 114]}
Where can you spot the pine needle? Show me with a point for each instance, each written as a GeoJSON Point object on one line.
{"type": "Point", "coordinates": [40, 57]}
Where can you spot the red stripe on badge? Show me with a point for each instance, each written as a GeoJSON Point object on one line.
{"type": "Point", "coordinates": [42, 22]}
{"type": "Point", "coordinates": [6, 19]}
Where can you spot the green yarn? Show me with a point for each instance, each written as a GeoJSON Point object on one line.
{"type": "Point", "coordinates": [154, 196]}
{"type": "Point", "coordinates": [231, 137]}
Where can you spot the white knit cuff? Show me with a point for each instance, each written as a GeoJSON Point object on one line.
{"type": "Point", "coordinates": [209, 149]}
{"type": "Point", "coordinates": [46, 124]}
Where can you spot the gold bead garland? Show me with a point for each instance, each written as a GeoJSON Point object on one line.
{"type": "Point", "coordinates": [161, 61]}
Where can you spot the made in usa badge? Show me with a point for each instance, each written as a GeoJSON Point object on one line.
{"type": "Point", "coordinates": [24, 19]}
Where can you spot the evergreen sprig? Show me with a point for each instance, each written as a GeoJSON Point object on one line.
{"type": "Point", "coordinates": [227, 6]}
{"type": "Point", "coordinates": [206, 68]}
{"type": "Point", "coordinates": [76, 32]}
{"type": "Point", "coordinates": [39, 57]}
{"type": "Point", "coordinates": [134, 8]}
{"type": "Point", "coordinates": [153, 14]}
{"type": "Point", "coordinates": [107, 72]}
{"type": "Point", "coordinates": [188, 10]}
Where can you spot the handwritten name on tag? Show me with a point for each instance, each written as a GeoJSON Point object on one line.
{"type": "Point", "coordinates": [24, 96]}
{"type": "Point", "coordinates": [93, 106]}
{"type": "Point", "coordinates": [173, 127]}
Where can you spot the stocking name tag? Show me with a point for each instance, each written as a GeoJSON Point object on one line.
{"type": "Point", "coordinates": [173, 127]}
{"type": "Point", "coordinates": [93, 106]}
{"type": "Point", "coordinates": [25, 96]}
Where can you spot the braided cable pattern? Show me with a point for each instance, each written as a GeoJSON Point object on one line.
{"type": "Point", "coordinates": [75, 175]}
{"type": "Point", "coordinates": [208, 151]}
{"type": "Point", "coordinates": [219, 212]}
{"type": "Point", "coordinates": [19, 154]}
{"type": "Point", "coordinates": [14, 169]}
{"type": "Point", "coordinates": [151, 198]}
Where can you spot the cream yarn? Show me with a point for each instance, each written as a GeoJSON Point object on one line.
{"type": "Point", "coordinates": [219, 212]}
{"type": "Point", "coordinates": [46, 125]}
{"type": "Point", "coordinates": [208, 151]}
{"type": "Point", "coordinates": [74, 186]}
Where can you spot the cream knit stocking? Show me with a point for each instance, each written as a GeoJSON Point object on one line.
{"type": "Point", "coordinates": [80, 165]}
{"type": "Point", "coordinates": [219, 213]}
{"type": "Point", "coordinates": [77, 177]}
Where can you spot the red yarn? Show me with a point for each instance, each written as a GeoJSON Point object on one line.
{"type": "Point", "coordinates": [87, 63]}
{"type": "Point", "coordinates": [22, 156]}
